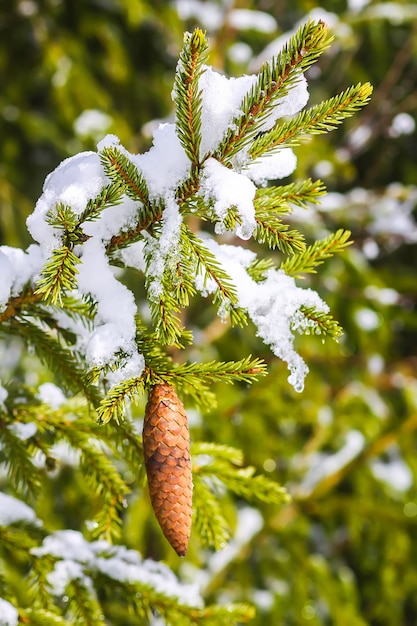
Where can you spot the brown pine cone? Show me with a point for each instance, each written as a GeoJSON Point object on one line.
{"type": "Point", "coordinates": [166, 450]}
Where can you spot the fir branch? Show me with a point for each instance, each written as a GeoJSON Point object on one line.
{"type": "Point", "coordinates": [258, 269]}
{"type": "Point", "coordinates": [146, 219]}
{"type": "Point", "coordinates": [145, 602]}
{"type": "Point", "coordinates": [4, 587]}
{"type": "Point", "coordinates": [188, 200]}
{"type": "Point", "coordinates": [281, 200]}
{"type": "Point", "coordinates": [24, 475]}
{"type": "Point", "coordinates": [163, 303]}
{"type": "Point", "coordinates": [254, 488]}
{"type": "Point", "coordinates": [110, 195]}
{"type": "Point", "coordinates": [203, 262]}
{"type": "Point", "coordinates": [127, 444]}
{"type": "Point", "coordinates": [101, 474]}
{"type": "Point", "coordinates": [316, 254]}
{"type": "Point", "coordinates": [58, 276]}
{"type": "Point", "coordinates": [209, 521]}
{"type": "Point", "coordinates": [194, 379]}
{"type": "Point", "coordinates": [113, 404]}
{"type": "Point", "coordinates": [82, 310]}
{"type": "Point", "coordinates": [230, 615]}
{"type": "Point", "coordinates": [184, 287]}
{"type": "Point", "coordinates": [40, 588]}
{"type": "Point", "coordinates": [238, 316]}
{"type": "Point", "coordinates": [60, 361]}
{"type": "Point", "coordinates": [272, 231]}
{"type": "Point", "coordinates": [275, 80]}
{"type": "Point", "coordinates": [155, 356]}
{"type": "Point", "coordinates": [17, 304]}
{"type": "Point", "coordinates": [322, 118]}
{"type": "Point", "coordinates": [16, 540]}
{"type": "Point", "coordinates": [121, 170]}
{"type": "Point", "coordinates": [216, 451]}
{"type": "Point", "coordinates": [62, 217]}
{"type": "Point", "coordinates": [246, 370]}
{"type": "Point", "coordinates": [187, 95]}
{"type": "Point", "coordinates": [84, 607]}
{"type": "Point", "coordinates": [231, 220]}
{"type": "Point", "coordinates": [123, 438]}
{"type": "Point", "coordinates": [41, 617]}
{"type": "Point", "coordinates": [207, 264]}
{"type": "Point", "coordinates": [197, 390]}
{"type": "Point", "coordinates": [29, 306]}
{"type": "Point", "coordinates": [243, 482]}
{"type": "Point", "coordinates": [322, 323]}
{"type": "Point", "coordinates": [166, 319]}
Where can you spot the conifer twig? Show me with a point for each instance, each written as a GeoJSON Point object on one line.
{"type": "Point", "coordinates": [316, 254]}
{"type": "Point", "coordinates": [275, 80]}
{"type": "Point", "coordinates": [188, 97]}
{"type": "Point", "coordinates": [322, 118]}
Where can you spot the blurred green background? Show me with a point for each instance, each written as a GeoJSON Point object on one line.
{"type": "Point", "coordinates": [344, 551]}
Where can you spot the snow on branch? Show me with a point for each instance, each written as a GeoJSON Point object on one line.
{"type": "Point", "coordinates": [110, 209]}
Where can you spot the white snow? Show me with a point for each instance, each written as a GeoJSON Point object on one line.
{"type": "Point", "coordinates": [13, 510]}
{"type": "Point", "coordinates": [402, 124]}
{"type": "Point", "coordinates": [229, 189]}
{"type": "Point", "coordinates": [66, 571]}
{"type": "Point", "coordinates": [51, 394]}
{"type": "Point", "coordinates": [207, 14]}
{"type": "Point", "coordinates": [222, 101]}
{"type": "Point", "coordinates": [109, 141]}
{"type": "Point", "coordinates": [249, 523]}
{"type": "Point", "coordinates": [369, 396]}
{"type": "Point", "coordinates": [359, 137]}
{"type": "Point", "coordinates": [92, 122]}
{"type": "Point", "coordinates": [3, 396]}
{"type": "Point", "coordinates": [74, 182]}
{"type": "Point", "coordinates": [165, 165]}
{"type": "Point", "coordinates": [375, 364]}
{"type": "Point", "coordinates": [18, 267]}
{"type": "Point", "coordinates": [246, 19]}
{"type": "Point", "coordinates": [114, 323]}
{"type": "Point", "coordinates": [395, 473]}
{"type": "Point", "coordinates": [356, 6]}
{"type": "Point", "coordinates": [394, 12]}
{"type": "Point", "coordinates": [271, 166]}
{"type": "Point", "coordinates": [389, 214]}
{"type": "Point", "coordinates": [322, 465]}
{"type": "Point", "coordinates": [384, 295]}
{"type": "Point", "coordinates": [240, 52]}
{"type": "Point", "coordinates": [133, 256]}
{"type": "Point", "coordinates": [367, 319]}
{"type": "Point", "coordinates": [273, 305]}
{"type": "Point", "coordinates": [77, 556]}
{"type": "Point", "coordinates": [23, 431]}
{"type": "Point", "coordinates": [290, 104]}
{"type": "Point", "coordinates": [8, 614]}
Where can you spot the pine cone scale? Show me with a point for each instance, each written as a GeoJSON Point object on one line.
{"type": "Point", "coordinates": [166, 448]}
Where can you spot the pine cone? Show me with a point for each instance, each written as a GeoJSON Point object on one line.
{"type": "Point", "coordinates": [166, 449]}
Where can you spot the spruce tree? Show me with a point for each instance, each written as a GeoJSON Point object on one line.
{"type": "Point", "coordinates": [127, 247]}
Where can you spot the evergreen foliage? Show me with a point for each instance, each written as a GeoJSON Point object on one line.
{"type": "Point", "coordinates": [98, 420]}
